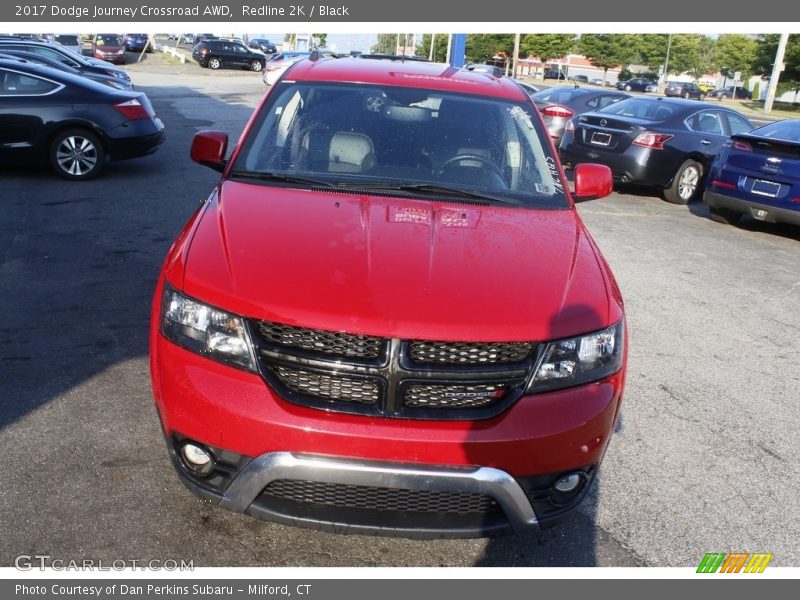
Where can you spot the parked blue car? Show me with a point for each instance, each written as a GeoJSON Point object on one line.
{"type": "Point", "coordinates": [757, 173]}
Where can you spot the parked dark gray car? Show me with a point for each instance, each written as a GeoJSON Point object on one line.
{"type": "Point", "coordinates": [560, 103]}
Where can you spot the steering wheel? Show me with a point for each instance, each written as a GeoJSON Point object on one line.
{"type": "Point", "coordinates": [460, 157]}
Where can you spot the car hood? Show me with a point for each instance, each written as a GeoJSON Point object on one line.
{"type": "Point", "coordinates": [396, 267]}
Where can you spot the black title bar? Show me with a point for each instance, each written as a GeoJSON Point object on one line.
{"type": "Point", "coordinates": [405, 11]}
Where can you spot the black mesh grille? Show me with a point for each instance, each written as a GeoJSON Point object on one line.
{"type": "Point", "coordinates": [331, 387]}
{"type": "Point", "coordinates": [428, 395]}
{"type": "Point", "coordinates": [327, 342]}
{"type": "Point", "coordinates": [378, 498]}
{"type": "Point", "coordinates": [466, 353]}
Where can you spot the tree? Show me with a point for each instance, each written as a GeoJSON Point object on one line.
{"type": "Point", "coordinates": [651, 49]}
{"type": "Point", "coordinates": [766, 47]}
{"type": "Point", "coordinates": [735, 52]}
{"type": "Point", "coordinates": [483, 46]}
{"type": "Point", "coordinates": [546, 45]}
{"type": "Point", "coordinates": [608, 50]}
{"type": "Point", "coordinates": [323, 39]}
{"type": "Point", "coordinates": [387, 42]}
{"type": "Point", "coordinates": [439, 46]}
{"type": "Point", "coordinates": [692, 53]}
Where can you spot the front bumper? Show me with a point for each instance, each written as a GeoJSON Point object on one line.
{"type": "Point", "coordinates": [514, 458]}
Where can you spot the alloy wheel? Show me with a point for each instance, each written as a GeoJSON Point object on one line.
{"type": "Point", "coordinates": [687, 184]}
{"type": "Point", "coordinates": [76, 155]}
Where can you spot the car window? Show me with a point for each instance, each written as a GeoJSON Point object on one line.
{"type": "Point", "coordinates": [558, 94]}
{"type": "Point", "coordinates": [378, 136]}
{"type": "Point", "coordinates": [738, 124]}
{"type": "Point", "coordinates": [605, 100]}
{"type": "Point", "coordinates": [68, 40]}
{"type": "Point", "coordinates": [707, 121]}
{"type": "Point", "coordinates": [13, 83]}
{"type": "Point", "coordinates": [240, 49]}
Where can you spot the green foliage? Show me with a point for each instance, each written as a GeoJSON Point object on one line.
{"type": "Point", "coordinates": [546, 45]}
{"type": "Point", "coordinates": [323, 39]}
{"type": "Point", "coordinates": [608, 50]}
{"type": "Point", "coordinates": [388, 42]}
{"type": "Point", "coordinates": [735, 52]}
{"type": "Point", "coordinates": [766, 48]}
{"type": "Point", "coordinates": [483, 46]}
{"type": "Point", "coordinates": [439, 46]}
{"type": "Point", "coordinates": [692, 53]}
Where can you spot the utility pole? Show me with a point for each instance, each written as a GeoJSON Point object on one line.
{"type": "Point", "coordinates": [666, 67]}
{"type": "Point", "coordinates": [776, 73]}
{"type": "Point", "coordinates": [516, 56]}
{"type": "Point", "coordinates": [433, 41]}
{"type": "Point", "coordinates": [449, 47]}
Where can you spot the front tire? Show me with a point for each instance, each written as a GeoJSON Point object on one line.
{"type": "Point", "coordinates": [686, 184]}
{"type": "Point", "coordinates": [725, 216]}
{"type": "Point", "coordinates": [214, 63]}
{"type": "Point", "coordinates": [628, 88]}
{"type": "Point", "coordinates": [256, 66]}
{"type": "Point", "coordinates": [702, 97]}
{"type": "Point", "coordinates": [686, 95]}
{"type": "Point", "coordinates": [77, 154]}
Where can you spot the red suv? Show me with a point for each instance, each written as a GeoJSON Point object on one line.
{"type": "Point", "coordinates": [388, 317]}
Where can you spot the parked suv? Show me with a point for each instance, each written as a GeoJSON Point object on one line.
{"type": "Point", "coordinates": [217, 53]}
{"type": "Point", "coordinates": [388, 316]}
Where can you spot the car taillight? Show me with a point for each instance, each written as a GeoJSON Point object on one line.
{"type": "Point", "coordinates": [570, 127]}
{"type": "Point", "coordinates": [743, 146]}
{"type": "Point", "coordinates": [132, 110]}
{"type": "Point", "coordinates": [204, 51]}
{"type": "Point", "coordinates": [652, 140]}
{"type": "Point", "coordinates": [723, 184]}
{"type": "Point", "coordinates": [556, 110]}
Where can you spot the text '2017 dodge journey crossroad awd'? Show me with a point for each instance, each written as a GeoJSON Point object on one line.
{"type": "Point", "coordinates": [388, 317]}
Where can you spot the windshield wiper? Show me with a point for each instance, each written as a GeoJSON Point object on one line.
{"type": "Point", "coordinates": [433, 188]}
{"type": "Point", "coordinates": [266, 176]}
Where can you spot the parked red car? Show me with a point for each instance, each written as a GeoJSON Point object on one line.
{"type": "Point", "coordinates": [109, 47]}
{"type": "Point", "coordinates": [388, 317]}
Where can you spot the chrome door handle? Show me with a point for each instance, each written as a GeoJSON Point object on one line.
{"type": "Point", "coordinates": [705, 142]}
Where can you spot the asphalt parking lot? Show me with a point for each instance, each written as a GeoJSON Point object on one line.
{"type": "Point", "coordinates": [705, 458]}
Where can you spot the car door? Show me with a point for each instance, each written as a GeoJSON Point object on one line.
{"type": "Point", "coordinates": [710, 132]}
{"type": "Point", "coordinates": [27, 104]}
{"type": "Point", "coordinates": [242, 55]}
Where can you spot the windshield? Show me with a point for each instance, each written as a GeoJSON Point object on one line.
{"type": "Point", "coordinates": [370, 136]}
{"type": "Point", "coordinates": [108, 40]}
{"type": "Point", "coordinates": [788, 131]}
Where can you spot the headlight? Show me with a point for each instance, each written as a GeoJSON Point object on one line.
{"type": "Point", "coordinates": [206, 330]}
{"type": "Point", "coordinates": [579, 360]}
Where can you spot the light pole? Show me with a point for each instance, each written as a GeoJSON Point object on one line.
{"type": "Point", "coordinates": [776, 72]}
{"type": "Point", "coordinates": [666, 65]}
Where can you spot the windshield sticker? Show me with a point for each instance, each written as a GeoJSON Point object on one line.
{"type": "Point", "coordinates": [518, 114]}
{"type": "Point", "coordinates": [554, 173]}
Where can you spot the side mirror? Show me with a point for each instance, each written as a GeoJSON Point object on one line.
{"type": "Point", "coordinates": [209, 148]}
{"type": "Point", "coordinates": [592, 181]}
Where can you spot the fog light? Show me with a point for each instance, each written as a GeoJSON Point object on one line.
{"type": "Point", "coordinates": [569, 483]}
{"type": "Point", "coordinates": [197, 458]}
